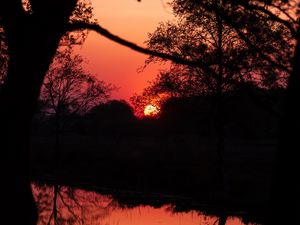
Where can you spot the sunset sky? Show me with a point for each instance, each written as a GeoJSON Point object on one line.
{"type": "Point", "coordinates": [114, 63]}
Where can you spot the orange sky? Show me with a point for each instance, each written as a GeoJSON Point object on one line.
{"type": "Point", "coordinates": [114, 63]}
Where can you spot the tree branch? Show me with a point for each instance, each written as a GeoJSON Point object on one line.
{"type": "Point", "coordinates": [274, 17]}
{"type": "Point", "coordinates": [285, 13]}
{"type": "Point", "coordinates": [67, 206]}
{"type": "Point", "coordinates": [10, 9]}
{"type": "Point", "coordinates": [100, 30]}
{"type": "Point", "coordinates": [235, 26]}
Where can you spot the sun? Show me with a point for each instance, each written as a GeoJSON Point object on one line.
{"type": "Point", "coordinates": [151, 110]}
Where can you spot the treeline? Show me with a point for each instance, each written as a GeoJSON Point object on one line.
{"type": "Point", "coordinates": [245, 116]}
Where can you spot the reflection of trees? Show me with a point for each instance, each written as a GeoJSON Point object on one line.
{"type": "Point", "coordinates": [59, 205]}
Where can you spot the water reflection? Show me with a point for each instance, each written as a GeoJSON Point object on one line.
{"type": "Point", "coordinates": [59, 205]}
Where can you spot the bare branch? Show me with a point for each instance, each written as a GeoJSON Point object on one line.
{"type": "Point", "coordinates": [274, 17]}
{"type": "Point", "coordinates": [102, 31]}
{"type": "Point", "coordinates": [235, 26]}
{"type": "Point", "coordinates": [285, 13]}
{"type": "Point", "coordinates": [69, 208]}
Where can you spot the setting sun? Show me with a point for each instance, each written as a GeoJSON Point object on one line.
{"type": "Point", "coordinates": [151, 110]}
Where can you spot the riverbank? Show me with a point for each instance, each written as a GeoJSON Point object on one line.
{"type": "Point", "coordinates": [179, 170]}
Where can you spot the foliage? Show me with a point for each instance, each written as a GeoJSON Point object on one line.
{"type": "Point", "coordinates": [258, 51]}
{"type": "Point", "coordinates": [114, 117]}
{"type": "Point", "coordinates": [68, 89]}
{"type": "Point", "coordinates": [83, 12]}
{"type": "Point", "coordinates": [148, 97]}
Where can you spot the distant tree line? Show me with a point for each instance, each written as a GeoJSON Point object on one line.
{"type": "Point", "coordinates": [243, 118]}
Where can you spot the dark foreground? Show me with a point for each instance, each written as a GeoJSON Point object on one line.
{"type": "Point", "coordinates": [180, 170]}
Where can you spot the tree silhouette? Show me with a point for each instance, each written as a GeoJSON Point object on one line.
{"type": "Point", "coordinates": [113, 118]}
{"type": "Point", "coordinates": [245, 18]}
{"type": "Point", "coordinates": [203, 35]}
{"type": "Point", "coordinates": [33, 32]}
{"type": "Point", "coordinates": [285, 187]}
{"type": "Point", "coordinates": [228, 61]}
{"type": "Point", "coordinates": [147, 97]}
{"type": "Point", "coordinates": [67, 91]}
{"type": "Point", "coordinates": [32, 37]}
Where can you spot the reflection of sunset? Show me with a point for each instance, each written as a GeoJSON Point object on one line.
{"type": "Point", "coordinates": [82, 207]}
{"type": "Point", "coordinates": [151, 110]}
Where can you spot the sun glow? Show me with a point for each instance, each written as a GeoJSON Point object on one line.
{"type": "Point", "coordinates": [151, 110]}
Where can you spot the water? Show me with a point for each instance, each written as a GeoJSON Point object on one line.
{"type": "Point", "coordinates": [79, 207]}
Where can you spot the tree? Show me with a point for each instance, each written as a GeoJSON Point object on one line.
{"type": "Point", "coordinates": [68, 90]}
{"type": "Point", "coordinates": [196, 35]}
{"type": "Point", "coordinates": [226, 60]}
{"type": "Point", "coordinates": [33, 32]}
{"type": "Point", "coordinates": [285, 187]}
{"type": "Point", "coordinates": [202, 35]}
{"type": "Point", "coordinates": [32, 37]}
{"type": "Point", "coordinates": [113, 118]}
{"type": "Point", "coordinates": [148, 97]}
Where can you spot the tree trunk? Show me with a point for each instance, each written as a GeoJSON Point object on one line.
{"type": "Point", "coordinates": [222, 220]}
{"type": "Point", "coordinates": [55, 193]}
{"type": "Point", "coordinates": [31, 49]}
